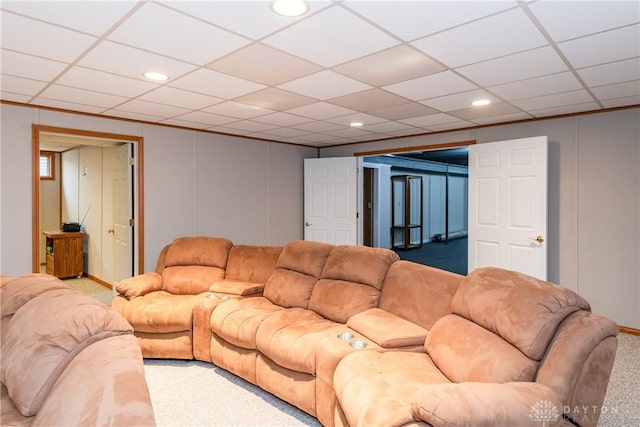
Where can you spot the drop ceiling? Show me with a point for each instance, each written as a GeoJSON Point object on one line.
{"type": "Point", "coordinates": [399, 67]}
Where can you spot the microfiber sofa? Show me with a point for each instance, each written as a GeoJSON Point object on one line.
{"type": "Point", "coordinates": [67, 359]}
{"type": "Point", "coordinates": [356, 337]}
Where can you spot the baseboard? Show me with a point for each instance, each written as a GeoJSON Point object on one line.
{"type": "Point", "coordinates": [107, 284]}
{"type": "Point", "coordinates": [630, 331]}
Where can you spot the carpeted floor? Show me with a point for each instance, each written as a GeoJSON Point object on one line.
{"type": "Point", "coordinates": [193, 393]}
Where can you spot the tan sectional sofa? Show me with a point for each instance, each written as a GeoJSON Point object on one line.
{"type": "Point", "coordinates": [356, 337]}
{"type": "Point", "coordinates": [67, 359]}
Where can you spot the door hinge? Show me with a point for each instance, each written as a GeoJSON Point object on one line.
{"type": "Point", "coordinates": [132, 222]}
{"type": "Point", "coordinates": [132, 161]}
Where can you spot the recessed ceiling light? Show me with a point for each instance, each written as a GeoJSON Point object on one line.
{"type": "Point", "coordinates": [159, 77]}
{"type": "Point", "coordinates": [356, 124]}
{"type": "Point", "coordinates": [481, 102]}
{"type": "Point", "coordinates": [290, 8]}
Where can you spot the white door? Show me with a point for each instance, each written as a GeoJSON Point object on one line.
{"type": "Point", "coordinates": [330, 200]}
{"type": "Point", "coordinates": [508, 205]}
{"type": "Point", "coordinates": [122, 213]}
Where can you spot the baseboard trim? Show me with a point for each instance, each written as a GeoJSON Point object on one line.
{"type": "Point", "coordinates": [630, 331]}
{"type": "Point", "coordinates": [107, 284]}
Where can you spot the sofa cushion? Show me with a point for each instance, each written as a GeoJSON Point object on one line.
{"type": "Point", "coordinates": [44, 335]}
{"type": "Point", "coordinates": [190, 279]}
{"type": "Point", "coordinates": [351, 281]}
{"type": "Point", "coordinates": [464, 351]}
{"type": "Point", "coordinates": [299, 267]}
{"type": "Point", "coordinates": [418, 293]}
{"type": "Point", "coordinates": [206, 251]}
{"type": "Point", "coordinates": [17, 291]}
{"type": "Point", "coordinates": [521, 309]}
{"type": "Point", "coordinates": [139, 285]}
{"type": "Point", "coordinates": [290, 337]}
{"type": "Point", "coordinates": [237, 320]}
{"type": "Point", "coordinates": [386, 329]}
{"type": "Point", "coordinates": [251, 263]}
{"type": "Point", "coordinates": [236, 287]}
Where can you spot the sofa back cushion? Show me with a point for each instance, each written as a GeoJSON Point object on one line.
{"type": "Point", "coordinates": [192, 264]}
{"type": "Point", "coordinates": [523, 310]}
{"type": "Point", "coordinates": [418, 293]}
{"type": "Point", "coordinates": [252, 263]}
{"type": "Point", "coordinates": [298, 268]}
{"type": "Point", "coordinates": [44, 335]}
{"type": "Point", "coordinates": [351, 281]}
{"type": "Point", "coordinates": [465, 351]}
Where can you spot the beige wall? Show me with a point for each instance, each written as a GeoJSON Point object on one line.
{"type": "Point", "coordinates": [49, 205]}
{"type": "Point", "coordinates": [594, 201]}
{"type": "Point", "coordinates": [193, 179]}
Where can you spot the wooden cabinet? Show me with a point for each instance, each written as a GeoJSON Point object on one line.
{"type": "Point", "coordinates": [64, 253]}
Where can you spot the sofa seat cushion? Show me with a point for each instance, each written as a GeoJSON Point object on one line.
{"type": "Point", "coordinates": [376, 388]}
{"type": "Point", "coordinates": [290, 337]}
{"type": "Point", "coordinates": [236, 287]}
{"type": "Point", "coordinates": [159, 312]}
{"type": "Point", "coordinates": [386, 329]}
{"type": "Point", "coordinates": [465, 351]}
{"type": "Point", "coordinates": [190, 279]}
{"type": "Point", "coordinates": [237, 320]}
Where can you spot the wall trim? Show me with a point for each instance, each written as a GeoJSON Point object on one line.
{"type": "Point", "coordinates": [99, 281]}
{"type": "Point", "coordinates": [441, 146]}
{"type": "Point", "coordinates": [630, 331]}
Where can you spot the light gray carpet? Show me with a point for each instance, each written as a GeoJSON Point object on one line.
{"type": "Point", "coordinates": [192, 393]}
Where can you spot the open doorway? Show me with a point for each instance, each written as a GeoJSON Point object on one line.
{"type": "Point", "coordinates": [98, 182]}
{"type": "Point", "coordinates": [443, 205]}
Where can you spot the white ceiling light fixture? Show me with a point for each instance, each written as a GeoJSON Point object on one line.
{"type": "Point", "coordinates": [289, 8]}
{"type": "Point", "coordinates": [481, 102]}
{"type": "Point", "coordinates": [356, 124]}
{"type": "Point", "coordinates": [156, 76]}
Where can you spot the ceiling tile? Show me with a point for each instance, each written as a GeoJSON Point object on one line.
{"type": "Point", "coordinates": [404, 111]}
{"type": "Point", "coordinates": [144, 107]}
{"type": "Point", "coordinates": [206, 118]}
{"type": "Point", "coordinates": [412, 19]}
{"type": "Point", "coordinates": [45, 40]}
{"type": "Point", "coordinates": [431, 120]}
{"type": "Point", "coordinates": [249, 125]}
{"type": "Point", "coordinates": [275, 99]}
{"type": "Point", "coordinates": [286, 132]}
{"type": "Point", "coordinates": [92, 17]}
{"type": "Point", "coordinates": [487, 111]}
{"type": "Point", "coordinates": [390, 66]}
{"type": "Point", "coordinates": [502, 118]}
{"type": "Point", "coordinates": [431, 86]}
{"type": "Point", "coordinates": [81, 96]}
{"type": "Point", "coordinates": [459, 100]}
{"type": "Point", "coordinates": [357, 117]}
{"type": "Point", "coordinates": [186, 124]}
{"type": "Point", "coordinates": [72, 106]}
{"type": "Point", "coordinates": [614, 45]}
{"type": "Point", "coordinates": [86, 78]}
{"type": "Point", "coordinates": [561, 82]}
{"type": "Point", "coordinates": [564, 109]}
{"type": "Point", "coordinates": [215, 84]}
{"type": "Point", "coordinates": [18, 85]}
{"type": "Point", "coordinates": [318, 126]}
{"type": "Point", "coordinates": [180, 98]}
{"type": "Point", "coordinates": [15, 97]}
{"type": "Point", "coordinates": [282, 119]}
{"type": "Point", "coordinates": [127, 61]}
{"type": "Point", "coordinates": [264, 64]}
{"type": "Point", "coordinates": [324, 85]}
{"type": "Point", "coordinates": [533, 63]}
{"type": "Point", "coordinates": [349, 37]}
{"type": "Point", "coordinates": [621, 102]}
{"type": "Point", "coordinates": [321, 111]}
{"type": "Point", "coordinates": [134, 116]}
{"type": "Point", "coordinates": [502, 34]}
{"type": "Point", "coordinates": [160, 30]}
{"type": "Point", "coordinates": [615, 72]}
{"type": "Point", "coordinates": [251, 18]}
{"type": "Point", "coordinates": [449, 126]}
{"type": "Point", "coordinates": [30, 67]}
{"type": "Point", "coordinates": [554, 100]}
{"type": "Point", "coordinates": [389, 127]}
{"type": "Point", "coordinates": [595, 16]}
{"type": "Point", "coordinates": [237, 109]}
{"type": "Point", "coordinates": [369, 99]}
{"type": "Point", "coordinates": [619, 90]}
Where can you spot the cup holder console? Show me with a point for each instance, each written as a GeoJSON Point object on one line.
{"type": "Point", "coordinates": [349, 337]}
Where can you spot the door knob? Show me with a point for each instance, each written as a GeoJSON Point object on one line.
{"type": "Point", "coordinates": [307, 223]}
{"type": "Point", "coordinates": [538, 239]}
{"type": "Point", "coordinates": [111, 231]}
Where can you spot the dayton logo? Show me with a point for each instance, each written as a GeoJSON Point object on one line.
{"type": "Point", "coordinates": [544, 411]}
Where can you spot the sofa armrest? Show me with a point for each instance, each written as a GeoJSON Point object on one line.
{"type": "Point", "coordinates": [139, 285]}
{"type": "Point", "coordinates": [487, 404]}
{"type": "Point", "coordinates": [237, 287]}
{"type": "Point", "coordinates": [386, 329]}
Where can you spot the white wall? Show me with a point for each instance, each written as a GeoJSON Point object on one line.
{"type": "Point", "coordinates": [195, 183]}
{"type": "Point", "coordinates": [594, 201]}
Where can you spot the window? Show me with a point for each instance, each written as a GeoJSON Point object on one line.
{"type": "Point", "coordinates": [47, 165]}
